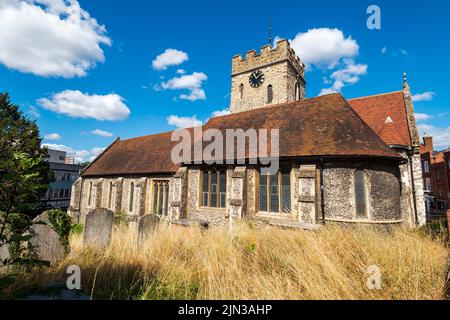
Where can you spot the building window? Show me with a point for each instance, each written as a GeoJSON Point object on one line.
{"type": "Point", "coordinates": [428, 184]}
{"type": "Point", "coordinates": [110, 195]}
{"type": "Point", "coordinates": [130, 208]}
{"type": "Point", "coordinates": [241, 91]}
{"type": "Point", "coordinates": [426, 166]}
{"type": "Point", "coordinates": [90, 194]}
{"type": "Point", "coordinates": [361, 195]}
{"type": "Point", "coordinates": [214, 189]}
{"type": "Point", "coordinates": [275, 193]}
{"type": "Point", "coordinates": [270, 94]}
{"type": "Point", "coordinates": [449, 164]}
{"type": "Point", "coordinates": [161, 198]}
{"type": "Point", "coordinates": [297, 91]}
{"type": "Point", "coordinates": [66, 193]}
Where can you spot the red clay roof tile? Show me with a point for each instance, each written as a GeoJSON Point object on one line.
{"type": "Point", "coordinates": [375, 110]}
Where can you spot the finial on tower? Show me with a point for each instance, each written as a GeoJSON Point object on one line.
{"type": "Point", "coordinates": [405, 81]}
{"type": "Point", "coordinates": [270, 33]}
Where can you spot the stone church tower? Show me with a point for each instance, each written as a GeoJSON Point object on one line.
{"type": "Point", "coordinates": [275, 75]}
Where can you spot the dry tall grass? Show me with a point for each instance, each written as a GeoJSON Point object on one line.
{"type": "Point", "coordinates": [268, 263]}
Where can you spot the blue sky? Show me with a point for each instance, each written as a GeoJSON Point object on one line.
{"type": "Point", "coordinates": [87, 71]}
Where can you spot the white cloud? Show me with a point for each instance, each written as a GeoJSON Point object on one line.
{"type": "Point", "coordinates": [349, 74]}
{"type": "Point", "coordinates": [192, 82]}
{"type": "Point", "coordinates": [80, 105]}
{"type": "Point", "coordinates": [52, 136]}
{"type": "Point", "coordinates": [33, 112]}
{"type": "Point", "coordinates": [441, 136]}
{"type": "Point", "coordinates": [50, 38]}
{"type": "Point", "coordinates": [183, 122]}
{"type": "Point", "coordinates": [384, 50]}
{"type": "Point", "coordinates": [196, 94]}
{"type": "Point", "coordinates": [170, 57]}
{"type": "Point", "coordinates": [220, 113]}
{"type": "Point", "coordinates": [181, 71]}
{"type": "Point", "coordinates": [324, 47]}
{"type": "Point", "coordinates": [80, 155]}
{"type": "Point", "coordinates": [426, 96]}
{"type": "Point", "coordinates": [102, 133]}
{"type": "Point", "coordinates": [423, 116]}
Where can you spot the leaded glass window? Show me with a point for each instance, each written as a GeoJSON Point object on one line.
{"type": "Point", "coordinates": [160, 201]}
{"type": "Point", "coordinates": [214, 189]}
{"type": "Point", "coordinates": [275, 193]}
{"type": "Point", "coordinates": [361, 194]}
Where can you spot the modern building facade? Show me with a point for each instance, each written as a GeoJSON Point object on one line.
{"type": "Point", "coordinates": [65, 172]}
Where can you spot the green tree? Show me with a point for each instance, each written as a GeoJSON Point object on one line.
{"type": "Point", "coordinates": [24, 173]}
{"type": "Point", "coordinates": [24, 177]}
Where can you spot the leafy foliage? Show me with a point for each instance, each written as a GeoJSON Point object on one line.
{"type": "Point", "coordinates": [61, 223]}
{"type": "Point", "coordinates": [77, 229]}
{"type": "Point", "coordinates": [24, 177]}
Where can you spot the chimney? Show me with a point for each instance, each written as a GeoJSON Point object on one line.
{"type": "Point", "coordinates": [428, 143]}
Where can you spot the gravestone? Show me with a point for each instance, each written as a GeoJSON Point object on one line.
{"type": "Point", "coordinates": [98, 228]}
{"type": "Point", "coordinates": [4, 254]}
{"type": "Point", "coordinates": [146, 225]}
{"type": "Point", "coordinates": [44, 243]}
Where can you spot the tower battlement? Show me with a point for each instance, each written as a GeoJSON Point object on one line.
{"type": "Point", "coordinates": [267, 56]}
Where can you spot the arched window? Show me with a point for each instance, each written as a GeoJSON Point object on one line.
{"type": "Point", "coordinates": [110, 195]}
{"type": "Point", "coordinates": [270, 94]}
{"type": "Point", "coordinates": [90, 194]}
{"type": "Point", "coordinates": [361, 195]}
{"type": "Point", "coordinates": [161, 197]}
{"type": "Point", "coordinates": [131, 196]}
{"type": "Point", "coordinates": [297, 91]}
{"type": "Point", "coordinates": [241, 91]}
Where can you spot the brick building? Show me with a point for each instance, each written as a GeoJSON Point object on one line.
{"type": "Point", "coordinates": [436, 178]}
{"type": "Point", "coordinates": [349, 161]}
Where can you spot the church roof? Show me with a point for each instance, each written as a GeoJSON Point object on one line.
{"type": "Point", "coordinates": [322, 126]}
{"type": "Point", "coordinates": [144, 155]}
{"type": "Point", "coordinates": [386, 115]}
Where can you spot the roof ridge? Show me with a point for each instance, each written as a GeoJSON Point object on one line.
{"type": "Point", "coordinates": [376, 95]}
{"type": "Point", "coordinates": [154, 134]}
{"type": "Point", "coordinates": [265, 107]}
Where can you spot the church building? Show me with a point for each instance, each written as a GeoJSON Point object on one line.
{"type": "Point", "coordinates": [344, 161]}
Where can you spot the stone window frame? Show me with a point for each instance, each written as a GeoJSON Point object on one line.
{"type": "Point", "coordinates": [90, 189]}
{"type": "Point", "coordinates": [219, 207]}
{"type": "Point", "coordinates": [368, 189]}
{"type": "Point", "coordinates": [297, 93]}
{"type": "Point", "coordinates": [283, 170]}
{"type": "Point", "coordinates": [270, 94]}
{"type": "Point", "coordinates": [131, 196]}
{"type": "Point", "coordinates": [110, 195]}
{"type": "Point", "coordinates": [241, 92]}
{"type": "Point", "coordinates": [166, 192]}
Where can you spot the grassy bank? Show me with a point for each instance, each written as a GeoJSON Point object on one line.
{"type": "Point", "coordinates": [269, 263]}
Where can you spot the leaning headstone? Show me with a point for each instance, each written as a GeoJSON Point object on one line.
{"type": "Point", "coordinates": [147, 225]}
{"type": "Point", "coordinates": [98, 228]}
{"type": "Point", "coordinates": [4, 254]}
{"type": "Point", "coordinates": [44, 243]}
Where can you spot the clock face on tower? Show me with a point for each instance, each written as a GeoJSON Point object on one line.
{"type": "Point", "coordinates": [256, 79]}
